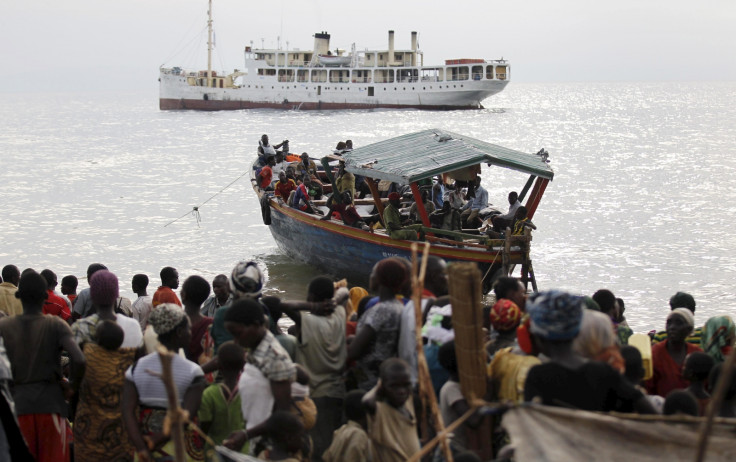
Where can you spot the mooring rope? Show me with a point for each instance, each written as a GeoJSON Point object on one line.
{"type": "Point", "coordinates": [195, 210]}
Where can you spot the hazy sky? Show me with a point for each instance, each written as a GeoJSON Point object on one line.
{"type": "Point", "coordinates": [93, 44]}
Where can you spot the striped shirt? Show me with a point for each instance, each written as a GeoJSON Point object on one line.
{"type": "Point", "coordinates": [151, 389]}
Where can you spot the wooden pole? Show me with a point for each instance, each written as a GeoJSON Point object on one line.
{"type": "Point", "coordinates": [426, 390]}
{"type": "Point", "coordinates": [465, 286]}
{"type": "Point", "coordinates": [376, 198]}
{"type": "Point", "coordinates": [715, 404]}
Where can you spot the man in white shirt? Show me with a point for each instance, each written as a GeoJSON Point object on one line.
{"type": "Point", "coordinates": [501, 222]}
{"type": "Point", "coordinates": [143, 305]}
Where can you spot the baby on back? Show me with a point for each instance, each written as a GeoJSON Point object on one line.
{"type": "Point", "coordinates": [109, 335]}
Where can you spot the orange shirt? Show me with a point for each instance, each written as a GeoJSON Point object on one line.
{"type": "Point", "coordinates": [265, 177]}
{"type": "Point", "coordinates": [164, 294]}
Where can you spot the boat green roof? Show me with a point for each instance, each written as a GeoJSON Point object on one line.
{"type": "Point", "coordinates": [424, 154]}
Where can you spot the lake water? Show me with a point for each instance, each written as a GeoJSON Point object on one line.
{"type": "Point", "coordinates": [642, 203]}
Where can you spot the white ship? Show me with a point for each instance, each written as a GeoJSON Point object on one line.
{"type": "Point", "coordinates": [319, 79]}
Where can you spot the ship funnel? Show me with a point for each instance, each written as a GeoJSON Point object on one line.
{"type": "Point", "coordinates": [390, 47]}
{"type": "Point", "coordinates": [321, 43]}
{"type": "Point", "coordinates": [414, 48]}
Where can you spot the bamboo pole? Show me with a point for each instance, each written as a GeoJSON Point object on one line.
{"type": "Point", "coordinates": [441, 436]}
{"type": "Point", "coordinates": [426, 390]}
{"type": "Point", "coordinates": [175, 415]}
{"type": "Point", "coordinates": [715, 403]}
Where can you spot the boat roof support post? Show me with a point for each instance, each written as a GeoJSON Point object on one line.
{"type": "Point", "coordinates": [528, 185]}
{"type": "Point", "coordinates": [420, 204]}
{"type": "Point", "coordinates": [376, 198]}
{"type": "Point", "coordinates": [536, 195]}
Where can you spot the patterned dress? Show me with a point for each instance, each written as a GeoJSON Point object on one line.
{"type": "Point", "coordinates": [99, 433]}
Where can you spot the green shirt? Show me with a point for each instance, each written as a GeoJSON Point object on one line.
{"type": "Point", "coordinates": [222, 408]}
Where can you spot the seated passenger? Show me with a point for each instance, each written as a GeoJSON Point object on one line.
{"type": "Point", "coordinates": [500, 222]}
{"type": "Point", "coordinates": [428, 206]}
{"type": "Point", "coordinates": [479, 201]}
{"type": "Point", "coordinates": [521, 221]}
{"type": "Point", "coordinates": [392, 220]}
{"type": "Point", "coordinates": [279, 164]}
{"type": "Point", "coordinates": [265, 175]}
{"type": "Point", "coordinates": [306, 167]}
{"type": "Point", "coordinates": [302, 199]}
{"type": "Point", "coordinates": [347, 211]}
{"type": "Point", "coordinates": [284, 187]}
{"type": "Point", "coordinates": [345, 181]}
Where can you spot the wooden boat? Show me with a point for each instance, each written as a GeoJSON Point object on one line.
{"type": "Point", "coordinates": [406, 160]}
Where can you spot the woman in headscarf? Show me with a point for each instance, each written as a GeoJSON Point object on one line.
{"type": "Point", "coordinates": [718, 337]}
{"type": "Point", "coordinates": [505, 317]}
{"type": "Point", "coordinates": [597, 340]}
{"type": "Point", "coordinates": [377, 335]}
{"type": "Point", "coordinates": [568, 379]}
{"type": "Point", "coordinates": [246, 281]}
{"type": "Point", "coordinates": [98, 429]}
{"type": "Point", "coordinates": [147, 392]}
{"type": "Point", "coordinates": [668, 356]}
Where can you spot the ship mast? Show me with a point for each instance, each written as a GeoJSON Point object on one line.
{"type": "Point", "coordinates": [209, 45]}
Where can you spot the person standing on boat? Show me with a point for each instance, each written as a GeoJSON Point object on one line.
{"type": "Point", "coordinates": [265, 149]}
{"type": "Point", "coordinates": [473, 207]}
{"type": "Point", "coordinates": [500, 222]}
{"type": "Point", "coordinates": [392, 219]}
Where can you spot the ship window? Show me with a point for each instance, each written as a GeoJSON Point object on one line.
{"type": "Point", "coordinates": [459, 73]}
{"type": "Point", "coordinates": [370, 91]}
{"type": "Point", "coordinates": [286, 75]}
{"type": "Point", "coordinates": [477, 72]}
{"type": "Point", "coordinates": [430, 74]}
{"type": "Point", "coordinates": [489, 72]}
{"type": "Point", "coordinates": [501, 72]}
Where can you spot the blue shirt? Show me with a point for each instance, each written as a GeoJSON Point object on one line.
{"type": "Point", "coordinates": [480, 200]}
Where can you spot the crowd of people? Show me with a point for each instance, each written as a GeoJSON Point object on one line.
{"type": "Point", "coordinates": [80, 374]}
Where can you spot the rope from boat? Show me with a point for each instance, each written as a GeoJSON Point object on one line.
{"type": "Point", "coordinates": [195, 210]}
{"type": "Point", "coordinates": [491, 266]}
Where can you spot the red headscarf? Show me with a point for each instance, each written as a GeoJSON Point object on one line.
{"type": "Point", "coordinates": [505, 315]}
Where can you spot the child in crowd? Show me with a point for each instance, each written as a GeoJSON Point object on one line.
{"type": "Point", "coordinates": [220, 413]}
{"type": "Point", "coordinates": [285, 433]}
{"type": "Point", "coordinates": [452, 402]}
{"type": "Point", "coordinates": [696, 370]}
{"type": "Point", "coordinates": [69, 287]}
{"type": "Point", "coordinates": [634, 374]}
{"type": "Point", "coordinates": [728, 406]}
{"type": "Point", "coordinates": [392, 423]}
{"type": "Point", "coordinates": [680, 402]}
{"type": "Point", "coordinates": [109, 335]}
{"type": "Point", "coordinates": [351, 442]}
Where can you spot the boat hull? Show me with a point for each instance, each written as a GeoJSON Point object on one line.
{"type": "Point", "coordinates": [350, 252]}
{"type": "Point", "coordinates": [176, 94]}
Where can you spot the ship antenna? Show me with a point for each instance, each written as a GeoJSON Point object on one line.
{"type": "Point", "coordinates": [209, 45]}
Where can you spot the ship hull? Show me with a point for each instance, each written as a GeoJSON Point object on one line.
{"type": "Point", "coordinates": [176, 94]}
